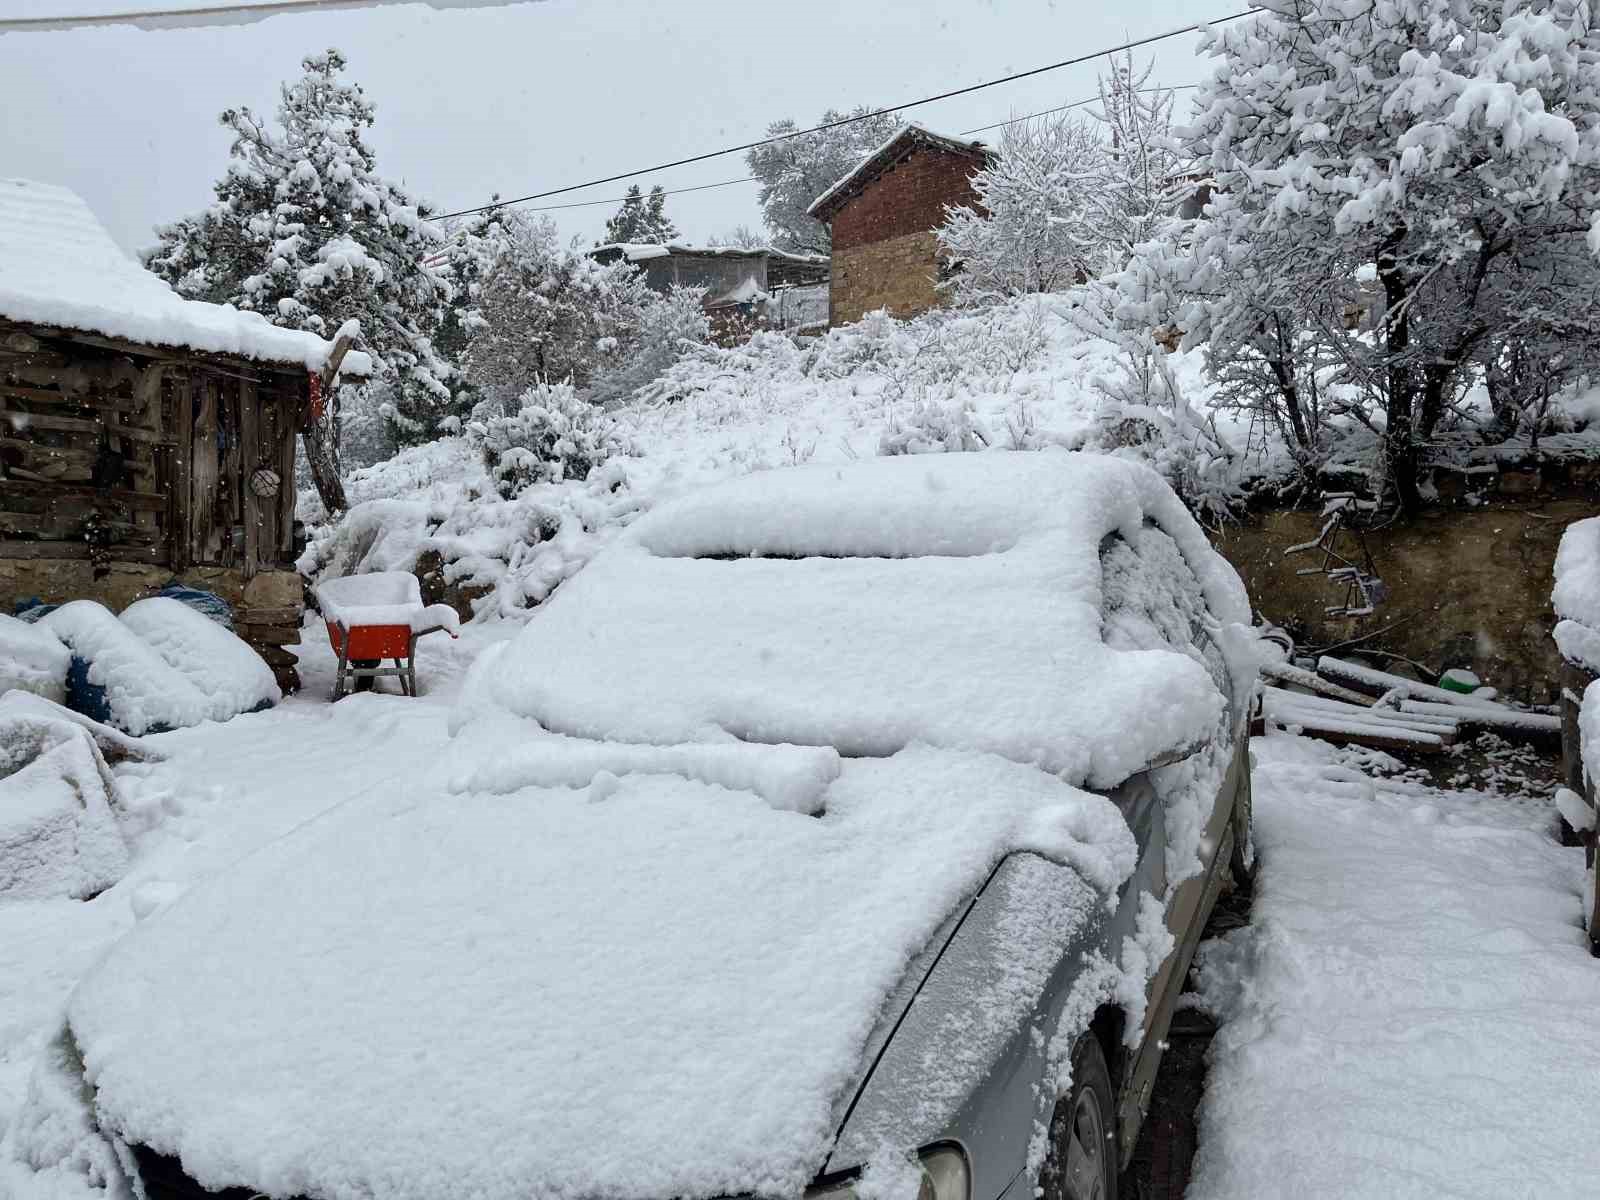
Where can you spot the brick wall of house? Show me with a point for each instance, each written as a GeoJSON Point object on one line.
{"type": "Point", "coordinates": [898, 273]}
{"type": "Point", "coordinates": [884, 252]}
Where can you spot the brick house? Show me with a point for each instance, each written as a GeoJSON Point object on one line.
{"type": "Point", "coordinates": [883, 216]}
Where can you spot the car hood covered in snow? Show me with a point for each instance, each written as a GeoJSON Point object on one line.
{"type": "Point", "coordinates": [648, 974]}
{"type": "Point", "coordinates": [948, 599]}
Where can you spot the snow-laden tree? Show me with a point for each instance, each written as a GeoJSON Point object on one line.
{"type": "Point", "coordinates": [1449, 150]}
{"type": "Point", "coordinates": [741, 237]}
{"type": "Point", "coordinates": [1144, 179]}
{"type": "Point", "coordinates": [306, 232]}
{"type": "Point", "coordinates": [642, 219]}
{"type": "Point", "coordinates": [1030, 231]}
{"type": "Point", "coordinates": [548, 313]}
{"type": "Point", "coordinates": [797, 170]}
{"type": "Point", "coordinates": [549, 434]}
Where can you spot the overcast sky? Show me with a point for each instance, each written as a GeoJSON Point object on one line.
{"type": "Point", "coordinates": [527, 97]}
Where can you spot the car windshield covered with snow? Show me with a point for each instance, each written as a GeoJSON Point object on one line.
{"type": "Point", "coordinates": [833, 820]}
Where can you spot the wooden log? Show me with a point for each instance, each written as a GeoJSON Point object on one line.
{"type": "Point", "coordinates": [1376, 739]}
{"type": "Point", "coordinates": [132, 499]}
{"type": "Point", "coordinates": [1378, 683]}
{"type": "Point", "coordinates": [1287, 673]}
{"type": "Point", "coordinates": [1510, 722]}
{"type": "Point", "coordinates": [270, 616]}
{"type": "Point", "coordinates": [1366, 718]}
{"type": "Point", "coordinates": [275, 635]}
{"type": "Point", "coordinates": [78, 549]}
{"type": "Point", "coordinates": [276, 656]}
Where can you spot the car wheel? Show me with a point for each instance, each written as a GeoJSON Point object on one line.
{"type": "Point", "coordinates": [1083, 1160]}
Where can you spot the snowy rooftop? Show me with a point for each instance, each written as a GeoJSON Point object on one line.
{"type": "Point", "coordinates": [952, 600]}
{"type": "Point", "coordinates": [824, 206]}
{"type": "Point", "coordinates": [60, 268]}
{"type": "Point", "coordinates": [644, 251]}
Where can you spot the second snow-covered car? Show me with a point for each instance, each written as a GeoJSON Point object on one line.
{"type": "Point", "coordinates": [837, 832]}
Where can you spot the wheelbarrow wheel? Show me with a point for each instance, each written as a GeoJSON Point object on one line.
{"type": "Point", "coordinates": [364, 683]}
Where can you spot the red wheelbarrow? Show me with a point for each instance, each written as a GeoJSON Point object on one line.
{"type": "Point", "coordinates": [375, 617]}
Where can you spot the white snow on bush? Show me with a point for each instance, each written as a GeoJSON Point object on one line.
{"type": "Point", "coordinates": [1576, 595]}
{"type": "Point", "coordinates": [383, 598]}
{"type": "Point", "coordinates": [950, 599]}
{"type": "Point", "coordinates": [142, 690]}
{"type": "Point", "coordinates": [223, 667]}
{"type": "Point", "coordinates": [654, 988]}
{"type": "Point", "coordinates": [32, 659]}
{"type": "Point", "coordinates": [58, 266]}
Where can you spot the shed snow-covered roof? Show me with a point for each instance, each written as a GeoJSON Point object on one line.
{"type": "Point", "coordinates": [60, 268]}
{"type": "Point", "coordinates": [874, 164]}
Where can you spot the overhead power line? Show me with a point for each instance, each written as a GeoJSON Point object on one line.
{"type": "Point", "coordinates": [706, 187]}
{"type": "Point", "coordinates": [1135, 44]}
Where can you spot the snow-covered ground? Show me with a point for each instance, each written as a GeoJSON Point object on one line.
{"type": "Point", "coordinates": [1412, 1010]}
{"type": "Point", "coordinates": [223, 792]}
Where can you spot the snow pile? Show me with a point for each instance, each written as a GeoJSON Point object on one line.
{"type": "Point", "coordinates": [163, 666]}
{"type": "Point", "coordinates": [32, 659]}
{"type": "Point", "coordinates": [1576, 595]}
{"type": "Point", "coordinates": [59, 831]}
{"type": "Point", "coordinates": [142, 691]}
{"type": "Point", "coordinates": [950, 599]}
{"type": "Point", "coordinates": [224, 668]}
{"type": "Point", "coordinates": [505, 755]}
{"type": "Point", "coordinates": [59, 267]}
{"type": "Point", "coordinates": [1415, 957]}
{"type": "Point", "coordinates": [657, 987]}
{"type": "Point", "coordinates": [1589, 733]}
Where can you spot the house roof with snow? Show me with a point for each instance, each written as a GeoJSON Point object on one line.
{"type": "Point", "coordinates": [900, 146]}
{"type": "Point", "coordinates": [644, 251]}
{"type": "Point", "coordinates": [60, 270]}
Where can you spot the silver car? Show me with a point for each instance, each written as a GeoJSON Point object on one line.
{"type": "Point", "coordinates": [979, 1097]}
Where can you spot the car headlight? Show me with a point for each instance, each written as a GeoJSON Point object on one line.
{"type": "Point", "coordinates": [945, 1176]}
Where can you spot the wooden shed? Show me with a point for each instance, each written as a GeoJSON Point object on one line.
{"type": "Point", "coordinates": [143, 437]}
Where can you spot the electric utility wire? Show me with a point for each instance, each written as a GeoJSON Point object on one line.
{"type": "Point", "coordinates": [706, 187]}
{"type": "Point", "coordinates": [1135, 44]}
{"type": "Point", "coordinates": [247, 8]}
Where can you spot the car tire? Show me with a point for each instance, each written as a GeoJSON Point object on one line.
{"type": "Point", "coordinates": [1242, 862]}
{"type": "Point", "coordinates": [1083, 1162]}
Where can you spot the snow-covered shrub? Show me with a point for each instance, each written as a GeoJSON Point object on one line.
{"type": "Point", "coordinates": [548, 311]}
{"type": "Point", "coordinates": [931, 428]}
{"type": "Point", "coordinates": [1029, 230]}
{"type": "Point", "coordinates": [551, 435]}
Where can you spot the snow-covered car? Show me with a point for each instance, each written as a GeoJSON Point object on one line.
{"type": "Point", "coordinates": [837, 832]}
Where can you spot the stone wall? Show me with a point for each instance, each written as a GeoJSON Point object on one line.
{"type": "Point", "coordinates": [1469, 586]}
{"type": "Point", "coordinates": [885, 254]}
{"type": "Point", "coordinates": [900, 274]}
{"type": "Point", "coordinates": [266, 609]}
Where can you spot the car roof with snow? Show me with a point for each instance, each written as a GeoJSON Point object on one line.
{"type": "Point", "coordinates": [951, 600]}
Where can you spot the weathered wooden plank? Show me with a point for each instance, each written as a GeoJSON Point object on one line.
{"type": "Point", "coordinates": [1286, 673]}
{"type": "Point", "coordinates": [1377, 683]}
{"type": "Point", "coordinates": [205, 544]}
{"type": "Point", "coordinates": [288, 432]}
{"type": "Point", "coordinates": [59, 399]}
{"type": "Point", "coordinates": [133, 499]}
{"type": "Point", "coordinates": [249, 456]}
{"type": "Point", "coordinates": [180, 491]}
{"type": "Point", "coordinates": [22, 418]}
{"type": "Point", "coordinates": [78, 549]}
{"type": "Point", "coordinates": [270, 616]}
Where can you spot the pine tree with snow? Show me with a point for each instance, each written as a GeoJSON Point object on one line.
{"type": "Point", "coordinates": [306, 232]}
{"type": "Point", "coordinates": [1446, 150]}
{"type": "Point", "coordinates": [1029, 231]}
{"type": "Point", "coordinates": [797, 170]}
{"type": "Point", "coordinates": [642, 220]}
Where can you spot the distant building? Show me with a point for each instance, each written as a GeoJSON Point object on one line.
{"type": "Point", "coordinates": [884, 215]}
{"type": "Point", "coordinates": [743, 287]}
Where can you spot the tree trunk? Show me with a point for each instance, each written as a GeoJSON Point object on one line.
{"type": "Point", "coordinates": [323, 458]}
{"type": "Point", "coordinates": [1399, 436]}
